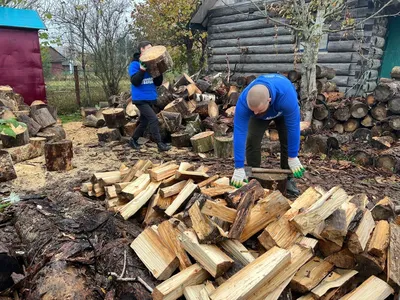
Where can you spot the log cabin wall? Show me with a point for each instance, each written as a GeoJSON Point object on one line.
{"type": "Point", "coordinates": [254, 45]}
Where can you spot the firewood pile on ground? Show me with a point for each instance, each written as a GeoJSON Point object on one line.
{"type": "Point", "coordinates": [207, 240]}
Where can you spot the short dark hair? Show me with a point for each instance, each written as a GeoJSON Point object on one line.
{"type": "Point", "coordinates": [143, 44]}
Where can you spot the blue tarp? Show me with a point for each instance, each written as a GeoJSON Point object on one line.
{"type": "Point", "coordinates": [20, 18]}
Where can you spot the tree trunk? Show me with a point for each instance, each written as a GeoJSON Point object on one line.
{"type": "Point", "coordinates": [7, 171]}
{"type": "Point", "coordinates": [114, 117]}
{"type": "Point", "coordinates": [203, 142]}
{"type": "Point", "coordinates": [34, 149]}
{"type": "Point", "coordinates": [58, 156]}
{"type": "Point", "coordinates": [22, 138]}
{"type": "Point", "coordinates": [189, 56]}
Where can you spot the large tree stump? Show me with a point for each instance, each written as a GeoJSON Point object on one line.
{"type": "Point", "coordinates": [178, 106]}
{"type": "Point", "coordinates": [379, 112]}
{"type": "Point", "coordinates": [359, 109]}
{"type": "Point", "coordinates": [34, 149]}
{"type": "Point", "coordinates": [157, 60]}
{"type": "Point", "coordinates": [114, 117]}
{"type": "Point", "coordinates": [22, 137]}
{"type": "Point", "coordinates": [203, 142]}
{"type": "Point", "coordinates": [223, 147]}
{"type": "Point", "coordinates": [321, 112]}
{"type": "Point", "coordinates": [108, 135]}
{"type": "Point", "coordinates": [342, 113]}
{"type": "Point", "coordinates": [57, 130]}
{"type": "Point", "coordinates": [42, 116]}
{"type": "Point", "coordinates": [172, 120]}
{"type": "Point", "coordinates": [394, 122]}
{"type": "Point", "coordinates": [93, 121]}
{"type": "Point", "coordinates": [351, 125]}
{"type": "Point", "coordinates": [7, 171]}
{"type": "Point", "coordinates": [387, 90]}
{"type": "Point", "coordinates": [33, 126]}
{"type": "Point", "coordinates": [58, 155]}
{"type": "Point", "coordinates": [180, 139]}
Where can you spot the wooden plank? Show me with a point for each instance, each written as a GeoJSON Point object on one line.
{"type": "Point", "coordinates": [264, 212]}
{"type": "Point", "coordinates": [208, 181]}
{"type": "Point", "coordinates": [193, 292]}
{"type": "Point", "coordinates": [394, 254]}
{"type": "Point", "coordinates": [173, 189]}
{"type": "Point", "coordinates": [242, 215]}
{"type": "Point", "coordinates": [210, 257]}
{"type": "Point", "coordinates": [359, 238]}
{"type": "Point", "coordinates": [237, 251]}
{"type": "Point", "coordinates": [304, 201]}
{"type": "Point", "coordinates": [136, 187]}
{"type": "Point", "coordinates": [158, 259]}
{"type": "Point", "coordinates": [319, 211]}
{"type": "Point", "coordinates": [217, 191]}
{"type": "Point", "coordinates": [279, 233]}
{"type": "Point", "coordinates": [372, 289]}
{"type": "Point", "coordinates": [299, 256]}
{"type": "Point", "coordinates": [137, 203]}
{"type": "Point", "coordinates": [275, 294]}
{"type": "Point", "coordinates": [310, 275]}
{"type": "Point", "coordinates": [164, 171]}
{"type": "Point", "coordinates": [222, 212]}
{"type": "Point", "coordinates": [379, 241]}
{"type": "Point", "coordinates": [169, 235]}
{"type": "Point", "coordinates": [173, 287]}
{"type": "Point", "coordinates": [335, 279]}
{"type": "Point", "coordinates": [253, 276]}
{"type": "Point", "coordinates": [186, 192]}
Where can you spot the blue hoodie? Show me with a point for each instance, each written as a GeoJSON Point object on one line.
{"type": "Point", "coordinates": [283, 103]}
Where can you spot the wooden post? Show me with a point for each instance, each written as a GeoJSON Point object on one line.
{"type": "Point", "coordinates": [77, 89]}
{"type": "Point", "coordinates": [58, 156]}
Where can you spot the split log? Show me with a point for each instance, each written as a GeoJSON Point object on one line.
{"type": "Point", "coordinates": [21, 137]}
{"type": "Point", "coordinates": [379, 242]}
{"type": "Point", "coordinates": [134, 188]}
{"type": "Point", "coordinates": [213, 110]}
{"type": "Point", "coordinates": [108, 135]}
{"type": "Point", "coordinates": [202, 109]}
{"type": "Point", "coordinates": [222, 212]}
{"type": "Point", "coordinates": [210, 257]}
{"type": "Point", "coordinates": [7, 171]}
{"type": "Point", "coordinates": [164, 171]}
{"type": "Point", "coordinates": [387, 90]}
{"type": "Point", "coordinates": [157, 60]}
{"type": "Point", "coordinates": [172, 120]}
{"type": "Point", "coordinates": [223, 147]}
{"type": "Point", "coordinates": [237, 251]}
{"type": "Point", "coordinates": [358, 109]}
{"type": "Point", "coordinates": [367, 121]}
{"type": "Point", "coordinates": [334, 280]}
{"type": "Point", "coordinates": [165, 95]}
{"type": "Point", "coordinates": [208, 181]}
{"type": "Point", "coordinates": [233, 95]}
{"type": "Point", "coordinates": [196, 176]}
{"type": "Point", "coordinates": [93, 121]}
{"type": "Point", "coordinates": [342, 113]}
{"type": "Point", "coordinates": [180, 139]}
{"type": "Point", "coordinates": [383, 210]}
{"type": "Point", "coordinates": [373, 288]}
{"type": "Point", "coordinates": [382, 142]}
{"type": "Point", "coordinates": [58, 155]}
{"type": "Point", "coordinates": [193, 127]}
{"type": "Point", "coordinates": [394, 122]}
{"type": "Point", "coordinates": [321, 112]}
{"type": "Point", "coordinates": [325, 72]}
{"type": "Point", "coordinates": [204, 97]}
{"type": "Point", "coordinates": [310, 275]}
{"type": "Point", "coordinates": [359, 238]}
{"type": "Point", "coordinates": [158, 259]}
{"type": "Point", "coordinates": [140, 167]}
{"type": "Point", "coordinates": [203, 142]}
{"type": "Point", "coordinates": [56, 132]}
{"type": "Point", "coordinates": [173, 189]}
{"type": "Point", "coordinates": [42, 116]}
{"type": "Point", "coordinates": [362, 135]}
{"type": "Point", "coordinates": [279, 233]}
{"type": "Point", "coordinates": [184, 80]}
{"type": "Point", "coordinates": [379, 112]}
{"type": "Point", "coordinates": [242, 215]}
{"type": "Point", "coordinates": [114, 117]}
{"type": "Point", "coordinates": [178, 106]}
{"type": "Point", "coordinates": [33, 126]}
{"type": "Point", "coordinates": [185, 194]}
{"type": "Point", "coordinates": [254, 186]}
{"type": "Point", "coordinates": [173, 287]}
{"type": "Point", "coordinates": [217, 191]}
{"type": "Point", "coordinates": [351, 125]}
{"type": "Point", "coordinates": [394, 254]}
{"type": "Point", "coordinates": [252, 277]}
{"type": "Point", "coordinates": [343, 259]}
{"type": "Point", "coordinates": [34, 149]}
{"type": "Point", "coordinates": [193, 292]}
{"type": "Point", "coordinates": [129, 129]}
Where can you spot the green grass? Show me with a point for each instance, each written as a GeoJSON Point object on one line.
{"type": "Point", "coordinates": [74, 117]}
{"type": "Point", "coordinates": [61, 94]}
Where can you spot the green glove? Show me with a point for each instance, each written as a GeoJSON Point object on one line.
{"type": "Point", "coordinates": [296, 167]}
{"type": "Point", "coordinates": [239, 178]}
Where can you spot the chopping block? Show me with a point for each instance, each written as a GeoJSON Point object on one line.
{"type": "Point", "coordinates": [272, 179]}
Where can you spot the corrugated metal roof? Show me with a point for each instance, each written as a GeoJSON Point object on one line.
{"type": "Point", "coordinates": [20, 18]}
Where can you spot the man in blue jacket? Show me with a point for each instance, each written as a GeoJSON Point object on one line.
{"type": "Point", "coordinates": [269, 97]}
{"type": "Point", "coordinates": [144, 95]}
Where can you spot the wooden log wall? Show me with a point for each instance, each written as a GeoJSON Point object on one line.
{"type": "Point", "coordinates": [254, 45]}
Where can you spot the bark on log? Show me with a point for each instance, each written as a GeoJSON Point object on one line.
{"type": "Point", "coordinates": [57, 132]}
{"type": "Point", "coordinates": [165, 95]}
{"type": "Point", "coordinates": [42, 116]}
{"type": "Point", "coordinates": [108, 135]}
{"type": "Point", "coordinates": [34, 149]}
{"type": "Point", "coordinates": [184, 80]}
{"type": "Point", "coordinates": [193, 127]}
{"type": "Point", "coordinates": [382, 142]}
{"type": "Point", "coordinates": [93, 121]}
{"type": "Point", "coordinates": [325, 72]}
{"type": "Point", "coordinates": [362, 135]}
{"type": "Point", "coordinates": [394, 122]}
{"type": "Point", "coordinates": [358, 109]}
{"type": "Point", "coordinates": [379, 112]}
{"type": "Point", "coordinates": [233, 95]}
{"type": "Point", "coordinates": [351, 125]}
{"type": "Point", "coordinates": [394, 105]}
{"type": "Point", "coordinates": [321, 85]}
{"type": "Point", "coordinates": [376, 130]}
{"type": "Point", "coordinates": [58, 156]}
{"type": "Point", "coordinates": [342, 113]}
{"type": "Point", "coordinates": [395, 73]}
{"type": "Point", "coordinates": [320, 112]}
{"type": "Point", "coordinates": [172, 120]}
{"type": "Point", "coordinates": [388, 162]}
{"type": "Point", "coordinates": [114, 117]}
{"type": "Point", "coordinates": [33, 126]}
{"type": "Point", "coordinates": [180, 139]}
{"type": "Point", "coordinates": [272, 181]}
{"type": "Point", "coordinates": [21, 138]}
{"type": "Point", "coordinates": [86, 111]}
{"type": "Point", "coordinates": [203, 142]}
{"type": "Point", "coordinates": [331, 87]}
{"type": "Point", "coordinates": [157, 60]}
{"type": "Point", "coordinates": [387, 90]}
{"type": "Point", "coordinates": [223, 147]}
{"type": "Point", "coordinates": [178, 106]}
{"type": "Point", "coordinates": [202, 109]}
{"type": "Point", "coordinates": [203, 85]}
{"type": "Point", "coordinates": [294, 76]}
{"type": "Point", "coordinates": [7, 171]}
{"type": "Point", "coordinates": [362, 157]}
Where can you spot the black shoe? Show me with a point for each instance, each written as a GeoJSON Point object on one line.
{"type": "Point", "coordinates": [134, 144]}
{"type": "Point", "coordinates": [163, 147]}
{"type": "Point", "coordinates": [291, 188]}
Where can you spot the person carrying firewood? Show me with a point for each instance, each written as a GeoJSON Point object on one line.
{"type": "Point", "coordinates": [144, 95]}
{"type": "Point", "coordinates": [269, 97]}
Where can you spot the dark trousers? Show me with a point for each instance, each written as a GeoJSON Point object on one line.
{"type": "Point", "coordinates": [147, 118]}
{"type": "Point", "coordinates": [256, 132]}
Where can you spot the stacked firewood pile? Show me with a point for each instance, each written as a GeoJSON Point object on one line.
{"type": "Point", "coordinates": [207, 240]}
{"type": "Point", "coordinates": [41, 125]}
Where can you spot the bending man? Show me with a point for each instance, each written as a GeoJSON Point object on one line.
{"type": "Point", "coordinates": [269, 97]}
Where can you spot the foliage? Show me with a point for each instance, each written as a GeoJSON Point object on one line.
{"type": "Point", "coordinates": [166, 22]}
{"type": "Point", "coordinates": [7, 125]}
{"type": "Point", "coordinates": [46, 61]}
